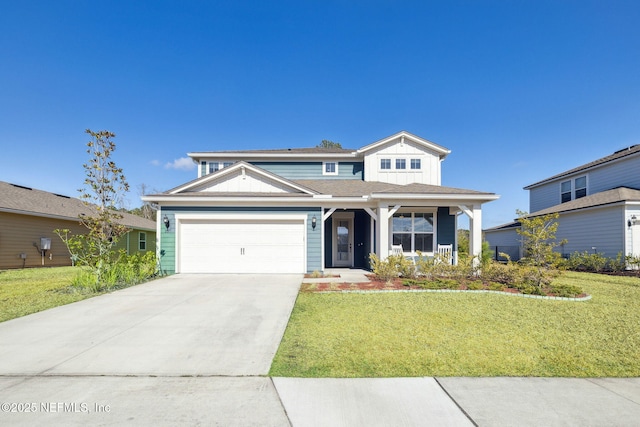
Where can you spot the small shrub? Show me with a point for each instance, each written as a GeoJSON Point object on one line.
{"type": "Point", "coordinates": [564, 290]}
{"type": "Point", "coordinates": [494, 286]}
{"type": "Point", "coordinates": [585, 261]}
{"type": "Point", "coordinates": [126, 270]}
{"type": "Point", "coordinates": [439, 284]}
{"type": "Point", "coordinates": [475, 285]}
{"type": "Point", "coordinates": [316, 274]}
{"type": "Point", "coordinates": [502, 273]}
{"type": "Point", "coordinates": [632, 261]}
{"type": "Point", "coordinates": [383, 269]}
{"type": "Point", "coordinates": [618, 264]}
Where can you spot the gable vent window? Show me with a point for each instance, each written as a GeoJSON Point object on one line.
{"type": "Point", "coordinates": [415, 164]}
{"type": "Point", "coordinates": [330, 168]}
{"type": "Point", "coordinates": [385, 164]}
{"type": "Point", "coordinates": [401, 164]}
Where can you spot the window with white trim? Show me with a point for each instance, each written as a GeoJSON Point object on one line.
{"type": "Point", "coordinates": [401, 163]}
{"type": "Point", "coordinates": [573, 189]}
{"type": "Point", "coordinates": [385, 164]}
{"type": "Point", "coordinates": [415, 164]}
{"type": "Point", "coordinates": [213, 167]}
{"type": "Point", "coordinates": [142, 241]}
{"type": "Point", "coordinates": [565, 191]}
{"type": "Point", "coordinates": [414, 231]}
{"type": "Point", "coordinates": [329, 168]}
{"type": "Point", "coordinates": [580, 187]}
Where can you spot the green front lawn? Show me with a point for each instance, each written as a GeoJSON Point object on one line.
{"type": "Point", "coordinates": [30, 290]}
{"type": "Point", "coordinates": [464, 334]}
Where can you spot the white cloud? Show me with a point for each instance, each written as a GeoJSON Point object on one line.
{"type": "Point", "coordinates": [183, 163]}
{"type": "Point", "coordinates": [155, 162]}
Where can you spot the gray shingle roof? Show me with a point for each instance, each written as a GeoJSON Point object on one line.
{"type": "Point", "coordinates": [615, 156]}
{"type": "Point", "coordinates": [307, 150]}
{"type": "Point", "coordinates": [357, 188]}
{"type": "Point", "coordinates": [615, 195]}
{"type": "Point", "coordinates": [30, 201]}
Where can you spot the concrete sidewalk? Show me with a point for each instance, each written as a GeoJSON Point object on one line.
{"type": "Point", "coordinates": [262, 401]}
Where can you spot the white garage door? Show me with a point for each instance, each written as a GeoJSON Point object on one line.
{"type": "Point", "coordinates": [241, 246]}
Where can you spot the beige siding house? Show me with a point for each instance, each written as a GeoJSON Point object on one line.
{"type": "Point", "coordinates": [28, 217]}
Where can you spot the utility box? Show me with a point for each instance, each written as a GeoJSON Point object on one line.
{"type": "Point", "coordinates": [45, 244]}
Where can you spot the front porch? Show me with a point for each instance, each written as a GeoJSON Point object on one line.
{"type": "Point", "coordinates": [351, 234]}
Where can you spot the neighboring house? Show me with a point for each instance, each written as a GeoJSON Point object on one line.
{"type": "Point", "coordinates": [598, 205]}
{"type": "Point", "coordinates": [28, 215]}
{"type": "Point", "coordinates": [302, 210]}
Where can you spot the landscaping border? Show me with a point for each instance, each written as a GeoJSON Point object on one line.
{"type": "Point", "coordinates": [486, 291]}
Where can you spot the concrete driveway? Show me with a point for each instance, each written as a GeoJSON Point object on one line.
{"type": "Point", "coordinates": [180, 325]}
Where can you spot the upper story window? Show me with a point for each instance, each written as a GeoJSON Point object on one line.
{"type": "Point", "coordinates": [401, 163]}
{"type": "Point", "coordinates": [581, 187]}
{"type": "Point", "coordinates": [415, 164]}
{"type": "Point", "coordinates": [573, 189]}
{"type": "Point", "coordinates": [385, 164]}
{"type": "Point", "coordinates": [330, 168]}
{"type": "Point", "coordinates": [565, 191]}
{"type": "Point", "coordinates": [216, 166]}
{"type": "Point", "coordinates": [142, 241]}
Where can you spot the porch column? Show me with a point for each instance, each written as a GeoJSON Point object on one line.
{"type": "Point", "coordinates": [382, 232]}
{"type": "Point", "coordinates": [475, 233]}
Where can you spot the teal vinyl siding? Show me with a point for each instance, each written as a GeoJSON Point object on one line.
{"type": "Point", "coordinates": [312, 170]}
{"type": "Point", "coordinates": [167, 250]}
{"type": "Point", "coordinates": [314, 241]}
{"type": "Point", "coordinates": [168, 240]}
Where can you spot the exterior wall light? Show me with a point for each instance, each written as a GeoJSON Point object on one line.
{"type": "Point", "coordinates": [166, 221]}
{"type": "Point", "coordinates": [314, 222]}
{"type": "Point", "coordinates": [632, 221]}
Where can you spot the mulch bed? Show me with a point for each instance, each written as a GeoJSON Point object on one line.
{"type": "Point", "coordinates": [375, 285]}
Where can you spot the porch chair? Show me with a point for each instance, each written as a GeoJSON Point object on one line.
{"type": "Point", "coordinates": [396, 250]}
{"type": "Point", "coordinates": [446, 253]}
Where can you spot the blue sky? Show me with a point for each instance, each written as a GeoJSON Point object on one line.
{"type": "Point", "coordinates": [517, 90]}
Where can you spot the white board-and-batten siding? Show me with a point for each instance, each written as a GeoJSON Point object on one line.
{"type": "Point", "coordinates": [247, 182]}
{"type": "Point", "coordinates": [429, 172]}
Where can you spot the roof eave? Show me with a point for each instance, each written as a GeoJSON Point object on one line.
{"type": "Point", "coordinates": [254, 156]}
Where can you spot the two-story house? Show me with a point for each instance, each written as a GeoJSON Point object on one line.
{"type": "Point", "coordinates": [598, 205]}
{"type": "Point", "coordinates": [303, 210]}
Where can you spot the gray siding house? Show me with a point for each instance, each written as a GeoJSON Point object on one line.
{"type": "Point", "coordinates": [598, 204]}
{"type": "Point", "coordinates": [305, 209]}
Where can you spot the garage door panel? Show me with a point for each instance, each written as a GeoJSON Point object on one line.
{"type": "Point", "coordinates": [253, 246]}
